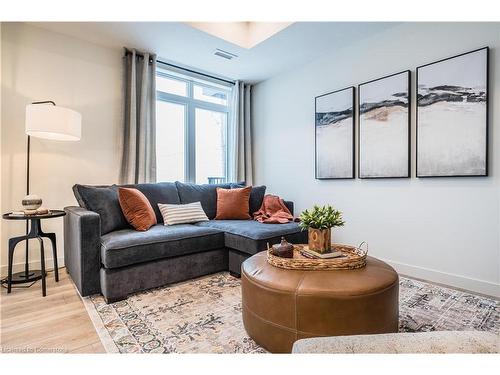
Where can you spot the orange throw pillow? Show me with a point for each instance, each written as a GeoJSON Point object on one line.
{"type": "Point", "coordinates": [136, 208]}
{"type": "Point", "coordinates": [233, 204]}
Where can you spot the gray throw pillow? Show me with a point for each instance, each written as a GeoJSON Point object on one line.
{"type": "Point", "coordinates": [256, 196]}
{"type": "Point", "coordinates": [104, 201]}
{"type": "Point", "coordinates": [159, 192]}
{"type": "Point", "coordinates": [206, 194]}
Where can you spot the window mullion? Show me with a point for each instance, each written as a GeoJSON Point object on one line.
{"type": "Point", "coordinates": [226, 156]}
{"type": "Point", "coordinates": [191, 137]}
{"type": "Point", "coordinates": [186, 142]}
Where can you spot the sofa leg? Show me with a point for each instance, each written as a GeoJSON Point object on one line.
{"type": "Point", "coordinates": [235, 274]}
{"type": "Point", "coordinates": [113, 300]}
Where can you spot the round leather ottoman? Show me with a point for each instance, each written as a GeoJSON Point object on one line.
{"type": "Point", "coordinates": [281, 306]}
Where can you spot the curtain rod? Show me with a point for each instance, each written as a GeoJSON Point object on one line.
{"type": "Point", "coordinates": [182, 68]}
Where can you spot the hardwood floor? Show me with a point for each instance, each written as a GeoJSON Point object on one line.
{"type": "Point", "coordinates": [57, 323]}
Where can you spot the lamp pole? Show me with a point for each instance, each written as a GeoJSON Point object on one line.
{"type": "Point", "coordinates": [27, 275]}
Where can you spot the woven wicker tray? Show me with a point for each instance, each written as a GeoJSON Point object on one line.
{"type": "Point", "coordinates": [354, 257]}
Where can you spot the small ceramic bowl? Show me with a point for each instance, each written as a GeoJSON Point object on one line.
{"type": "Point", "coordinates": [31, 202]}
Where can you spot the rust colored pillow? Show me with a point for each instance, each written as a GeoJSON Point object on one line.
{"type": "Point", "coordinates": [136, 208]}
{"type": "Point", "coordinates": [233, 204]}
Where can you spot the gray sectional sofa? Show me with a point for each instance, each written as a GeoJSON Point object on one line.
{"type": "Point", "coordinates": [103, 254]}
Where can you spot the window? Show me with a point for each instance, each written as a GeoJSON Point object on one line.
{"type": "Point", "coordinates": [170, 141]}
{"type": "Point", "coordinates": [170, 85]}
{"type": "Point", "coordinates": [210, 145]}
{"type": "Point", "coordinates": [191, 127]}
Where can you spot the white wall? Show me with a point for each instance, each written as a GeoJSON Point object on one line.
{"type": "Point", "coordinates": [445, 230]}
{"type": "Point", "coordinates": [41, 65]}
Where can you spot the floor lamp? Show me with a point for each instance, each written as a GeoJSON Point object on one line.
{"type": "Point", "coordinates": [46, 120]}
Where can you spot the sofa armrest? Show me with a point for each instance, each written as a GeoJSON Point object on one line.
{"type": "Point", "coordinates": [289, 205]}
{"type": "Point", "coordinates": [82, 248]}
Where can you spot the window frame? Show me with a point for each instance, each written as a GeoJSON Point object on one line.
{"type": "Point", "coordinates": [190, 105]}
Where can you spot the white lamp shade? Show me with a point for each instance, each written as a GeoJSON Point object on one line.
{"type": "Point", "coordinates": [53, 122]}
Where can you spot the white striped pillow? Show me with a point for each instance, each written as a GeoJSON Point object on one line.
{"type": "Point", "coordinates": [182, 213]}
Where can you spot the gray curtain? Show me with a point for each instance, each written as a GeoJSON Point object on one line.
{"type": "Point", "coordinates": [139, 138]}
{"type": "Point", "coordinates": [240, 163]}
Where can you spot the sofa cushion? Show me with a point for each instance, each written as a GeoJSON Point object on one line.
{"type": "Point", "coordinates": [104, 201]}
{"type": "Point", "coordinates": [127, 246]}
{"type": "Point", "coordinates": [256, 196]}
{"type": "Point", "coordinates": [161, 192]}
{"type": "Point", "coordinates": [250, 236]}
{"type": "Point", "coordinates": [136, 208]}
{"type": "Point", "coordinates": [206, 194]}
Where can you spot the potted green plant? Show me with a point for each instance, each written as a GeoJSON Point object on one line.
{"type": "Point", "coordinates": [319, 221]}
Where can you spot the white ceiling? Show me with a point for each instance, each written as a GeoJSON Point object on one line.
{"type": "Point", "coordinates": [180, 43]}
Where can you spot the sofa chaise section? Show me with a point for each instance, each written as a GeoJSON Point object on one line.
{"type": "Point", "coordinates": [243, 238]}
{"type": "Point", "coordinates": [250, 237]}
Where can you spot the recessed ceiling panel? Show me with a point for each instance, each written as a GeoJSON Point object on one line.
{"type": "Point", "coordinates": [243, 34]}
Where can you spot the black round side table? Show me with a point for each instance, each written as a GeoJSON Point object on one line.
{"type": "Point", "coordinates": [34, 232]}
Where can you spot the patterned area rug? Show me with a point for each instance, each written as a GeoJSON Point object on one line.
{"type": "Point", "coordinates": [204, 316]}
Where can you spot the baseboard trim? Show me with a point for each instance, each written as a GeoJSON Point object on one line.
{"type": "Point", "coordinates": [34, 265]}
{"type": "Point", "coordinates": [453, 280]}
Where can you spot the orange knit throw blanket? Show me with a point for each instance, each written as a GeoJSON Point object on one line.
{"type": "Point", "coordinates": [273, 211]}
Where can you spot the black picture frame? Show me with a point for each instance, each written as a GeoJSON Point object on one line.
{"type": "Point", "coordinates": [486, 122]}
{"type": "Point", "coordinates": [408, 122]}
{"type": "Point", "coordinates": [352, 141]}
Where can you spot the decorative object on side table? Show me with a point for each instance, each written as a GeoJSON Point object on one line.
{"type": "Point", "coordinates": [31, 203]}
{"type": "Point", "coordinates": [319, 221]}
